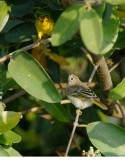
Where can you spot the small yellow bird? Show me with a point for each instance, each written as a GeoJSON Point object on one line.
{"type": "Point", "coordinates": [44, 25]}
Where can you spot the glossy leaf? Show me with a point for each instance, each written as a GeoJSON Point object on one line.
{"type": "Point", "coordinates": [91, 30]}
{"type": "Point", "coordinates": [107, 137]}
{"type": "Point", "coordinates": [4, 13]}
{"type": "Point", "coordinates": [12, 152]}
{"type": "Point", "coordinates": [116, 2]}
{"type": "Point", "coordinates": [9, 137]}
{"type": "Point", "coordinates": [66, 26]}
{"type": "Point", "coordinates": [10, 24]}
{"type": "Point", "coordinates": [120, 40]}
{"type": "Point", "coordinates": [21, 33]}
{"type": "Point", "coordinates": [8, 120]}
{"type": "Point", "coordinates": [22, 9]}
{"type": "Point", "coordinates": [3, 152]}
{"type": "Point", "coordinates": [110, 31]}
{"type": "Point", "coordinates": [56, 110]}
{"type": "Point", "coordinates": [119, 91]}
{"type": "Point", "coordinates": [7, 81]}
{"type": "Point", "coordinates": [31, 76]}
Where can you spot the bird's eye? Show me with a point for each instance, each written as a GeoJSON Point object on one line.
{"type": "Point", "coordinates": [71, 78]}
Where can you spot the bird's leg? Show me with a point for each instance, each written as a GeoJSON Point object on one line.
{"type": "Point", "coordinates": [78, 111]}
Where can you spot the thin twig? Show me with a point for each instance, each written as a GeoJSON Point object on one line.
{"type": "Point", "coordinates": [116, 65]}
{"type": "Point", "coordinates": [36, 44]}
{"type": "Point", "coordinates": [92, 74]}
{"type": "Point", "coordinates": [58, 86]}
{"type": "Point", "coordinates": [93, 3]}
{"type": "Point", "coordinates": [73, 131]}
{"type": "Point", "coordinates": [91, 60]}
{"type": "Point", "coordinates": [65, 101]}
{"type": "Point", "coordinates": [45, 46]}
{"type": "Point", "coordinates": [122, 112]}
{"type": "Point", "coordinates": [87, 55]}
{"type": "Point", "coordinates": [87, 4]}
{"type": "Point", "coordinates": [14, 96]}
{"type": "Point", "coordinates": [41, 7]}
{"type": "Point", "coordinates": [32, 110]}
{"type": "Point", "coordinates": [23, 19]}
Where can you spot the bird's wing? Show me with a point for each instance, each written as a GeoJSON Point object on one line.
{"type": "Point", "coordinates": [81, 93]}
{"type": "Point", "coordinates": [85, 94]}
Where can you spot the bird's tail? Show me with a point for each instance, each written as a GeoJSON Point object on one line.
{"type": "Point", "coordinates": [100, 104]}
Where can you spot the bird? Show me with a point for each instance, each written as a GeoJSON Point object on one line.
{"type": "Point", "coordinates": [81, 95]}
{"type": "Point", "coordinates": [44, 25]}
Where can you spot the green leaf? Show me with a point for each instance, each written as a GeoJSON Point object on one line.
{"type": "Point", "coordinates": [31, 76]}
{"type": "Point", "coordinates": [107, 137]}
{"type": "Point", "coordinates": [12, 152]}
{"type": "Point", "coordinates": [110, 31]}
{"type": "Point", "coordinates": [21, 33]}
{"type": "Point", "coordinates": [118, 92]}
{"type": "Point", "coordinates": [7, 81]}
{"type": "Point", "coordinates": [120, 40]}
{"type": "Point", "coordinates": [66, 26]}
{"type": "Point", "coordinates": [108, 54]}
{"type": "Point", "coordinates": [91, 30]}
{"type": "Point", "coordinates": [2, 107]}
{"type": "Point", "coordinates": [9, 137]}
{"type": "Point", "coordinates": [23, 9]}
{"type": "Point", "coordinates": [116, 2]}
{"type": "Point", "coordinates": [4, 14]}
{"type": "Point", "coordinates": [8, 120]}
{"type": "Point", "coordinates": [56, 110]}
{"type": "Point", "coordinates": [10, 24]}
{"type": "Point", "coordinates": [3, 152]}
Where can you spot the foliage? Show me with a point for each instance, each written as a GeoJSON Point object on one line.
{"type": "Point", "coordinates": [109, 144]}
{"type": "Point", "coordinates": [46, 124]}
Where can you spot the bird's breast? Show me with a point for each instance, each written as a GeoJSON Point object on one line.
{"type": "Point", "coordinates": [78, 103]}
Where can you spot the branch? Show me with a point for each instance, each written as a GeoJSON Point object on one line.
{"type": "Point", "coordinates": [91, 60]}
{"type": "Point", "coordinates": [23, 19]}
{"type": "Point", "coordinates": [106, 86]}
{"type": "Point", "coordinates": [92, 74]}
{"type": "Point", "coordinates": [121, 110]}
{"type": "Point", "coordinates": [58, 86]}
{"type": "Point", "coordinates": [73, 131]}
{"type": "Point", "coordinates": [117, 64]}
{"type": "Point", "coordinates": [36, 44]}
{"type": "Point", "coordinates": [87, 55]}
{"type": "Point", "coordinates": [93, 3]}
{"type": "Point", "coordinates": [32, 110]}
{"type": "Point", "coordinates": [14, 96]}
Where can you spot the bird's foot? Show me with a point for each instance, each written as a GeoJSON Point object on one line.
{"type": "Point", "coordinates": [78, 111]}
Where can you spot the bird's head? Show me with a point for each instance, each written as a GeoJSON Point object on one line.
{"type": "Point", "coordinates": [73, 80]}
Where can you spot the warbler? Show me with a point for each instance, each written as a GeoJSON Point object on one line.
{"type": "Point", "coordinates": [44, 25]}
{"type": "Point", "coordinates": [80, 95]}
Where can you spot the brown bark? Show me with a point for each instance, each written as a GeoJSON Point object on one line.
{"type": "Point", "coordinates": [106, 86]}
